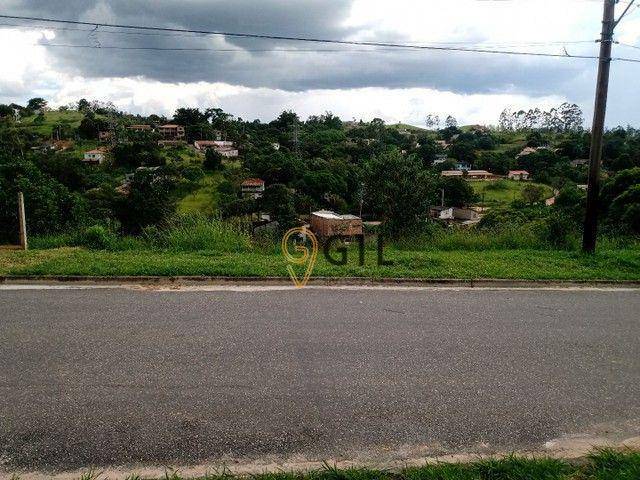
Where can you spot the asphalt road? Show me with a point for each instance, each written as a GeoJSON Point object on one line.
{"type": "Point", "coordinates": [117, 376]}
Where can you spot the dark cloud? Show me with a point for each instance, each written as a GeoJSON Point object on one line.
{"type": "Point", "coordinates": [458, 72]}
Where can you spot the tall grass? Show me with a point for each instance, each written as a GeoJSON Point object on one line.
{"type": "Point", "coordinates": [194, 232]}
{"type": "Point", "coordinates": [183, 233]}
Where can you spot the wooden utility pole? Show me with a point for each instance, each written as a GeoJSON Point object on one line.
{"type": "Point", "coordinates": [22, 221]}
{"type": "Point", "coordinates": [597, 129]}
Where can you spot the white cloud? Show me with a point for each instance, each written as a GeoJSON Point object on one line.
{"type": "Point", "coordinates": [32, 70]}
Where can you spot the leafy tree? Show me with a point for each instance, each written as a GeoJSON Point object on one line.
{"type": "Point", "coordinates": [90, 125]}
{"type": "Point", "coordinates": [457, 191]}
{"type": "Point", "coordinates": [83, 105]}
{"type": "Point", "coordinates": [277, 201]}
{"type": "Point", "coordinates": [427, 151]}
{"type": "Point", "coordinates": [532, 193]}
{"type": "Point", "coordinates": [139, 149]}
{"type": "Point", "coordinates": [6, 111]}
{"type": "Point", "coordinates": [398, 188]}
{"type": "Point", "coordinates": [149, 202]}
{"type": "Point", "coordinates": [212, 160]}
{"type": "Point", "coordinates": [189, 116]}
{"type": "Point", "coordinates": [463, 151]}
{"type": "Point", "coordinates": [450, 122]}
{"type": "Point", "coordinates": [36, 103]}
{"type": "Point", "coordinates": [50, 206]}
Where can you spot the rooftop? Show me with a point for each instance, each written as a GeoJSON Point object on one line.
{"type": "Point", "coordinates": [334, 216]}
{"type": "Point", "coordinates": [252, 182]}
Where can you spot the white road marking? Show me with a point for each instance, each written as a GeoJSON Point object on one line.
{"type": "Point", "coordinates": [272, 288]}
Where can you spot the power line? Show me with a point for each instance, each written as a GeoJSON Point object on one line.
{"type": "Point", "coordinates": [302, 39]}
{"type": "Point", "coordinates": [481, 43]}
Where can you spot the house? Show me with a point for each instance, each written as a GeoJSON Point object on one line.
{"type": "Point", "coordinates": [518, 175]}
{"type": "Point", "coordinates": [171, 143]}
{"type": "Point", "coordinates": [466, 216]}
{"type": "Point", "coordinates": [529, 150]}
{"type": "Point", "coordinates": [252, 187]}
{"type": "Point", "coordinates": [463, 166]}
{"type": "Point", "coordinates": [442, 144]}
{"type": "Point", "coordinates": [225, 148]}
{"type": "Point", "coordinates": [94, 157]}
{"type": "Point", "coordinates": [440, 159]}
{"type": "Point", "coordinates": [171, 131]}
{"type": "Point", "coordinates": [105, 136]}
{"type": "Point", "coordinates": [325, 223]}
{"type": "Point", "coordinates": [140, 128]}
{"type": "Point", "coordinates": [470, 174]}
{"type": "Point", "coordinates": [275, 146]}
{"type": "Point", "coordinates": [580, 162]}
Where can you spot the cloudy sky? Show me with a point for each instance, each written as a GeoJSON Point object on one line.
{"type": "Point", "coordinates": [255, 78]}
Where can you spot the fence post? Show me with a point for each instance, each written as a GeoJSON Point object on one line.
{"type": "Point", "coordinates": [22, 221]}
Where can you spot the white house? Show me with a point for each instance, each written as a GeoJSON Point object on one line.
{"type": "Point", "coordinates": [518, 175]}
{"type": "Point", "coordinates": [225, 148]}
{"type": "Point", "coordinates": [95, 157]}
{"type": "Point", "coordinates": [252, 187]}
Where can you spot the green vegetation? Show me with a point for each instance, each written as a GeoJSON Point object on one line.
{"type": "Point", "coordinates": [195, 245]}
{"type": "Point", "coordinates": [204, 199]}
{"type": "Point", "coordinates": [503, 192]}
{"type": "Point", "coordinates": [154, 208]}
{"type": "Point", "coordinates": [607, 464]}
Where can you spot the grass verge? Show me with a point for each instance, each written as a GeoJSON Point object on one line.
{"type": "Point", "coordinates": [427, 264]}
{"type": "Point", "coordinates": [600, 465]}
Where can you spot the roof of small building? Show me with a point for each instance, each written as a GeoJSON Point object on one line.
{"type": "Point", "coordinates": [170, 125]}
{"type": "Point", "coordinates": [328, 214]}
{"type": "Point", "coordinates": [252, 182]}
{"type": "Point", "coordinates": [518, 172]}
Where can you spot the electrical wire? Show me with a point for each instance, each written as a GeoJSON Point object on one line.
{"type": "Point", "coordinates": [302, 39]}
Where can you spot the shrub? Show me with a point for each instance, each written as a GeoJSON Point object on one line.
{"type": "Point", "coordinates": [498, 185]}
{"type": "Point", "coordinates": [196, 232]}
{"type": "Point", "coordinates": [96, 237]}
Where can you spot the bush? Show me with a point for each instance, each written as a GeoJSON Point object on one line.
{"type": "Point", "coordinates": [96, 237]}
{"type": "Point", "coordinates": [498, 185]}
{"type": "Point", "coordinates": [193, 173]}
{"type": "Point", "coordinates": [188, 233]}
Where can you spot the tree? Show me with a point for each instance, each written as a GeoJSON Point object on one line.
{"type": "Point", "coordinates": [450, 122]}
{"type": "Point", "coordinates": [139, 149]}
{"type": "Point", "coordinates": [212, 160]}
{"type": "Point", "coordinates": [432, 121]}
{"type": "Point", "coordinates": [463, 151]}
{"type": "Point", "coordinates": [90, 126]}
{"type": "Point", "coordinates": [36, 103]}
{"type": "Point", "coordinates": [189, 116]}
{"type": "Point", "coordinates": [398, 188]}
{"type": "Point", "coordinates": [427, 151]}
{"type": "Point", "coordinates": [50, 206]}
{"type": "Point", "coordinates": [457, 191]}
{"type": "Point", "coordinates": [149, 202]}
{"type": "Point", "coordinates": [277, 201]}
{"type": "Point", "coordinates": [83, 105]}
{"type": "Point", "coordinates": [532, 193]}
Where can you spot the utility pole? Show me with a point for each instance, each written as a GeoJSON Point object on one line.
{"type": "Point", "coordinates": [597, 128]}
{"type": "Point", "coordinates": [22, 222]}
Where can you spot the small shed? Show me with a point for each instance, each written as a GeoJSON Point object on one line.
{"type": "Point", "coordinates": [325, 223]}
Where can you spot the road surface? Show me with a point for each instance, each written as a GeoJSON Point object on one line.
{"type": "Point", "coordinates": [121, 376]}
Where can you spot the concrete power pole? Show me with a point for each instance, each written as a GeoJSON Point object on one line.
{"type": "Point", "coordinates": [597, 129]}
{"type": "Point", "coordinates": [22, 222]}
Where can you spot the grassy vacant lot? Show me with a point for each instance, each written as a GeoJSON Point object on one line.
{"type": "Point", "coordinates": [265, 262]}
{"type": "Point", "coordinates": [601, 465]}
{"type": "Point", "coordinates": [502, 192]}
{"type": "Point", "coordinates": [204, 199]}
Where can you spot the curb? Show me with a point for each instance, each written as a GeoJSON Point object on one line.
{"type": "Point", "coordinates": [317, 281]}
